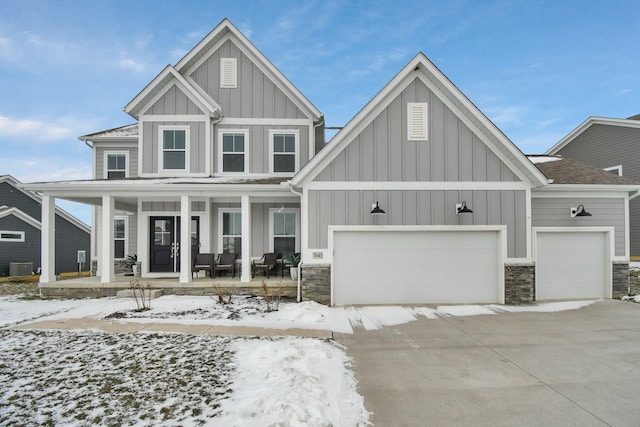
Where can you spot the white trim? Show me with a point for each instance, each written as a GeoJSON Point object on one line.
{"type": "Point", "coordinates": [105, 171]}
{"type": "Point", "coordinates": [187, 150]}
{"type": "Point", "coordinates": [220, 237]}
{"type": "Point", "coordinates": [174, 118]}
{"type": "Point", "coordinates": [296, 153]}
{"type": "Point", "coordinates": [617, 168]}
{"type": "Point", "coordinates": [20, 215]}
{"type": "Point", "coordinates": [228, 73]}
{"type": "Point", "coordinates": [247, 121]}
{"type": "Point", "coordinates": [124, 218]}
{"type": "Point", "coordinates": [553, 192]}
{"type": "Point", "coordinates": [220, 153]}
{"type": "Point", "coordinates": [20, 235]}
{"type": "Point", "coordinates": [528, 223]}
{"type": "Point", "coordinates": [141, 171]}
{"type": "Point", "coordinates": [272, 212]}
{"type": "Point", "coordinates": [587, 124]}
{"type": "Point", "coordinates": [627, 231]}
{"type": "Point", "coordinates": [416, 185]}
{"type": "Point", "coordinates": [500, 229]}
{"type": "Point", "coordinates": [133, 143]}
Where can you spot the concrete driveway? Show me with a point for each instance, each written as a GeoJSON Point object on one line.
{"type": "Point", "coordinates": [571, 368]}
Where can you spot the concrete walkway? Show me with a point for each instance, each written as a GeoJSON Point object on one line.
{"type": "Point", "coordinates": [571, 368]}
{"type": "Point", "coordinates": [115, 326]}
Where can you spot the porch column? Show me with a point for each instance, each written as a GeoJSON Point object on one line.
{"type": "Point", "coordinates": [185, 239]}
{"type": "Point", "coordinates": [48, 240]}
{"type": "Point", "coordinates": [245, 210]}
{"type": "Point", "coordinates": [106, 241]}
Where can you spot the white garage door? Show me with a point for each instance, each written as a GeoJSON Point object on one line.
{"type": "Point", "coordinates": [416, 267]}
{"type": "Point", "coordinates": [572, 265]}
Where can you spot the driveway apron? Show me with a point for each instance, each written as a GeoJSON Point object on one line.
{"type": "Point", "coordinates": [570, 368]}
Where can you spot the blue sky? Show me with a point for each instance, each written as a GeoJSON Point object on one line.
{"type": "Point", "coordinates": [537, 69]}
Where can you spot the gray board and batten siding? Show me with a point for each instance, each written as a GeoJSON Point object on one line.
{"type": "Point", "coordinates": [420, 207]}
{"type": "Point", "coordinates": [381, 152]}
{"type": "Point", "coordinates": [256, 95]}
{"type": "Point", "coordinates": [606, 146]}
{"type": "Point", "coordinates": [554, 212]}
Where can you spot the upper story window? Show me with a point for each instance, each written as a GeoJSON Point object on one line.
{"type": "Point", "coordinates": [283, 151]}
{"type": "Point", "coordinates": [616, 170]}
{"type": "Point", "coordinates": [174, 141]}
{"type": "Point", "coordinates": [11, 236]}
{"type": "Point", "coordinates": [233, 156]}
{"type": "Point", "coordinates": [417, 121]}
{"type": "Point", "coordinates": [116, 165]}
{"type": "Point", "coordinates": [228, 73]}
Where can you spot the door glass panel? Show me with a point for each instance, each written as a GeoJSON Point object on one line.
{"type": "Point", "coordinates": [162, 232]}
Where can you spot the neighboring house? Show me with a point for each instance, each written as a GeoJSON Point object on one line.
{"type": "Point", "coordinates": [610, 144]}
{"type": "Point", "coordinates": [418, 199]}
{"type": "Point", "coordinates": [20, 228]}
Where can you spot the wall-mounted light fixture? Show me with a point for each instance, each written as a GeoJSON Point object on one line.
{"type": "Point", "coordinates": [462, 208]}
{"type": "Point", "coordinates": [579, 211]}
{"type": "Point", "coordinates": [375, 209]}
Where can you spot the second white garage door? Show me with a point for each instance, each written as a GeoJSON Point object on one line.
{"type": "Point", "coordinates": [572, 265]}
{"type": "Point", "coordinates": [417, 267]}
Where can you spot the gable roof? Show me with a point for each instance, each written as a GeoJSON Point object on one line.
{"type": "Point", "coordinates": [161, 81]}
{"type": "Point", "coordinates": [225, 29]}
{"type": "Point", "coordinates": [6, 211]}
{"type": "Point", "coordinates": [631, 122]}
{"type": "Point", "coordinates": [59, 211]}
{"type": "Point", "coordinates": [563, 170]}
{"type": "Point", "coordinates": [420, 67]}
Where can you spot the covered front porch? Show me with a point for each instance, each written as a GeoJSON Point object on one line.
{"type": "Point", "coordinates": [166, 222]}
{"type": "Point", "coordinates": [92, 287]}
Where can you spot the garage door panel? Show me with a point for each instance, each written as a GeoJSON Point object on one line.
{"type": "Point", "coordinates": [572, 265]}
{"type": "Point", "coordinates": [386, 267]}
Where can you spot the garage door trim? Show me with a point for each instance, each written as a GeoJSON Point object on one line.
{"type": "Point", "coordinates": [501, 242]}
{"type": "Point", "coordinates": [609, 248]}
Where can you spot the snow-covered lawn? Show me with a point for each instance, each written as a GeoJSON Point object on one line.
{"type": "Point", "coordinates": [87, 377]}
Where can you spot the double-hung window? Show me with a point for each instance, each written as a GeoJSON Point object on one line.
{"type": "Point", "coordinates": [119, 237]}
{"type": "Point", "coordinates": [233, 156]}
{"type": "Point", "coordinates": [175, 144]}
{"type": "Point", "coordinates": [230, 222]}
{"type": "Point", "coordinates": [284, 229]}
{"type": "Point", "coordinates": [115, 165]}
{"type": "Point", "coordinates": [283, 151]}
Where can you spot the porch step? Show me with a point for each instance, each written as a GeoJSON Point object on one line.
{"type": "Point", "coordinates": [148, 293]}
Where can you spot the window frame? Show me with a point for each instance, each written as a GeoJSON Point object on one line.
{"type": "Point", "coordinates": [221, 234]}
{"type": "Point", "coordinates": [221, 152]}
{"type": "Point", "coordinates": [106, 169]}
{"type": "Point", "coordinates": [233, 63]}
{"type": "Point", "coordinates": [125, 239]}
{"type": "Point", "coordinates": [272, 214]}
{"type": "Point", "coordinates": [20, 239]}
{"type": "Point", "coordinates": [617, 169]}
{"type": "Point", "coordinates": [272, 152]}
{"type": "Point", "coordinates": [411, 136]}
{"type": "Point", "coordinates": [161, 149]}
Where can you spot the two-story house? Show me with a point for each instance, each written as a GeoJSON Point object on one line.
{"type": "Point", "coordinates": [420, 198]}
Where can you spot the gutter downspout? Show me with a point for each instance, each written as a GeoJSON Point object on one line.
{"type": "Point", "coordinates": [299, 295]}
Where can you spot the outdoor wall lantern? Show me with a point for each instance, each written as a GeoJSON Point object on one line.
{"type": "Point", "coordinates": [375, 209]}
{"type": "Point", "coordinates": [462, 208]}
{"type": "Point", "coordinates": [579, 211]}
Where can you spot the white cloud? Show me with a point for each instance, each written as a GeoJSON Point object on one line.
{"type": "Point", "coordinates": [131, 65]}
{"type": "Point", "coordinates": [31, 128]}
{"type": "Point", "coordinates": [5, 47]}
{"type": "Point", "coordinates": [624, 92]}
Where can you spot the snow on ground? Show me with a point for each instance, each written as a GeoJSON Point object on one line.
{"type": "Point", "coordinates": [96, 378]}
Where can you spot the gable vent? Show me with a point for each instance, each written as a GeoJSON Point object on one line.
{"type": "Point", "coordinates": [228, 73]}
{"type": "Point", "coordinates": [417, 129]}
